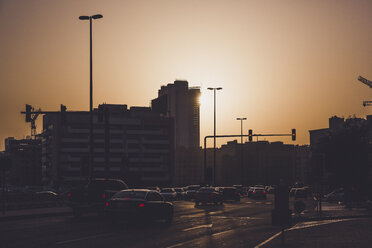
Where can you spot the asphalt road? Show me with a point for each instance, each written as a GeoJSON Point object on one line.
{"type": "Point", "coordinates": [234, 224]}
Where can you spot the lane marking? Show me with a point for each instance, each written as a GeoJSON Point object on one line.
{"type": "Point", "coordinates": [223, 232]}
{"type": "Point", "coordinates": [84, 238]}
{"type": "Point", "coordinates": [268, 240]}
{"type": "Point", "coordinates": [197, 227]}
{"type": "Point", "coordinates": [302, 226]}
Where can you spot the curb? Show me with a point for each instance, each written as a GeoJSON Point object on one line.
{"type": "Point", "coordinates": [316, 218]}
{"type": "Point", "coordinates": [31, 216]}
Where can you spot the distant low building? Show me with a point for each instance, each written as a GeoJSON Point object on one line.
{"type": "Point", "coordinates": [253, 163]}
{"type": "Point", "coordinates": [133, 144]}
{"type": "Point", "coordinates": [25, 155]}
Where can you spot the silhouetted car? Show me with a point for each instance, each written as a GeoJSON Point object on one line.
{"type": "Point", "coordinates": [93, 196]}
{"type": "Point", "coordinates": [180, 193]}
{"type": "Point", "coordinates": [48, 198]}
{"type": "Point", "coordinates": [169, 194]}
{"type": "Point", "coordinates": [139, 205]}
{"type": "Point", "coordinates": [230, 193]}
{"type": "Point", "coordinates": [258, 193]}
{"type": "Point", "coordinates": [208, 195]}
{"type": "Point", "coordinates": [300, 193]}
{"type": "Point", "coordinates": [191, 190]}
{"type": "Point", "coordinates": [241, 189]}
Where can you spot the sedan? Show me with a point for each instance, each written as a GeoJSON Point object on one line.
{"type": "Point", "coordinates": [230, 193]}
{"type": "Point", "coordinates": [169, 194]}
{"type": "Point", "coordinates": [139, 204]}
{"type": "Point", "coordinates": [258, 193]}
{"type": "Point", "coordinates": [208, 195]}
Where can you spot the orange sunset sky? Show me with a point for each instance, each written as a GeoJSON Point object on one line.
{"type": "Point", "coordinates": [282, 64]}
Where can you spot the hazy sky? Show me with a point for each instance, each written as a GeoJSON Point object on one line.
{"type": "Point", "coordinates": [282, 64]}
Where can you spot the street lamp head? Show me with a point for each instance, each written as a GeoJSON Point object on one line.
{"type": "Point", "coordinates": [219, 88]}
{"type": "Point", "coordinates": [83, 17]}
{"type": "Point", "coordinates": [210, 88]}
{"type": "Point", "coordinates": [98, 16]}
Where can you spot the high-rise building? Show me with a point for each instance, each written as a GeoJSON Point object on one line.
{"type": "Point", "coordinates": [134, 144]}
{"type": "Point", "coordinates": [182, 103]}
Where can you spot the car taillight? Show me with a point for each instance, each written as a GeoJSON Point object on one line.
{"type": "Point", "coordinates": [264, 192]}
{"type": "Point", "coordinates": [254, 192]}
{"type": "Point", "coordinates": [212, 194]}
{"type": "Point", "coordinates": [103, 196]}
{"type": "Point", "coordinates": [69, 195]}
{"type": "Point", "coordinates": [107, 204]}
{"type": "Point", "coordinates": [141, 205]}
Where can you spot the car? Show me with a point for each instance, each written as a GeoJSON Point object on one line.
{"type": "Point", "coordinates": [300, 193]}
{"type": "Point", "coordinates": [169, 194]}
{"type": "Point", "coordinates": [139, 205]}
{"type": "Point", "coordinates": [180, 193]}
{"type": "Point", "coordinates": [191, 190]}
{"type": "Point", "coordinates": [208, 195]}
{"type": "Point", "coordinates": [48, 198]}
{"type": "Point", "coordinates": [258, 193]}
{"type": "Point", "coordinates": [230, 193]}
{"type": "Point", "coordinates": [241, 189]}
{"type": "Point", "coordinates": [93, 196]}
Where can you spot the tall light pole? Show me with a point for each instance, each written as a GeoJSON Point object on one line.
{"type": "Point", "coordinates": [214, 133]}
{"type": "Point", "coordinates": [241, 144]}
{"type": "Point", "coordinates": [90, 18]}
{"type": "Point", "coordinates": [241, 127]}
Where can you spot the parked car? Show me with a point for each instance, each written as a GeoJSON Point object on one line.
{"type": "Point", "coordinates": [191, 190]}
{"type": "Point", "coordinates": [180, 193]}
{"type": "Point", "coordinates": [48, 198]}
{"type": "Point", "coordinates": [230, 193]}
{"type": "Point", "coordinates": [258, 193]}
{"type": "Point", "coordinates": [168, 194]}
{"type": "Point", "coordinates": [93, 196]}
{"type": "Point", "coordinates": [208, 195]}
{"type": "Point", "coordinates": [139, 205]}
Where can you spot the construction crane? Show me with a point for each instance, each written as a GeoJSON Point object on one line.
{"type": "Point", "coordinates": [368, 83]}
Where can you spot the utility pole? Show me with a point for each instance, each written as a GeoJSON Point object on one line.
{"type": "Point", "coordinates": [214, 134]}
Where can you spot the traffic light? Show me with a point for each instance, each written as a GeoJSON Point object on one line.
{"type": "Point", "coordinates": [28, 113]}
{"type": "Point", "coordinates": [293, 134]}
{"type": "Point", "coordinates": [250, 135]}
{"type": "Point", "coordinates": [63, 114]}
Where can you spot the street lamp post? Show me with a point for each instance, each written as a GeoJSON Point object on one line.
{"type": "Point", "coordinates": [98, 16]}
{"type": "Point", "coordinates": [241, 144]}
{"type": "Point", "coordinates": [241, 127]}
{"type": "Point", "coordinates": [214, 133]}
